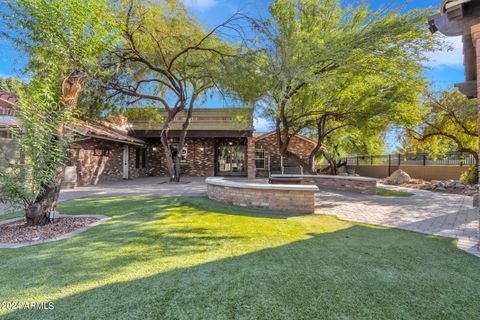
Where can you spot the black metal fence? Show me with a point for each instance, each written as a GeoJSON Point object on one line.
{"type": "Point", "coordinates": [419, 159]}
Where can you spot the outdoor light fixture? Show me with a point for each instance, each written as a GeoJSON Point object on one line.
{"type": "Point", "coordinates": [154, 149]}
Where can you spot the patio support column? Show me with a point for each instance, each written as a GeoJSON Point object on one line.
{"type": "Point", "coordinates": [475, 30]}
{"type": "Point", "coordinates": [251, 158]}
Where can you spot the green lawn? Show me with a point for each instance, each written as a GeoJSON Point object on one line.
{"type": "Point", "coordinates": [190, 258]}
{"type": "Point", "coordinates": [392, 193]}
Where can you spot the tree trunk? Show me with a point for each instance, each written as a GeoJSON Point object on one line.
{"type": "Point", "coordinates": [168, 156]}
{"type": "Point", "coordinates": [38, 213]}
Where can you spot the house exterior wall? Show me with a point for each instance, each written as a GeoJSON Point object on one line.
{"type": "Point", "coordinates": [93, 169]}
{"type": "Point", "coordinates": [269, 145]}
{"type": "Point", "coordinates": [200, 158]}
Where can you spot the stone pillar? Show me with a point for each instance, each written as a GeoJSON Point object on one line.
{"type": "Point", "coordinates": [475, 30]}
{"type": "Point", "coordinates": [251, 158]}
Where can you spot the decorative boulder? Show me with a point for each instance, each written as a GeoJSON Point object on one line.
{"type": "Point", "coordinates": [476, 200]}
{"type": "Point", "coordinates": [398, 177]}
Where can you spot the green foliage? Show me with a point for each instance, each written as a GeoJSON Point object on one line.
{"type": "Point", "coordinates": [448, 123]}
{"type": "Point", "coordinates": [11, 85]}
{"type": "Point", "coordinates": [392, 193]}
{"type": "Point", "coordinates": [59, 37]}
{"type": "Point", "coordinates": [470, 176]}
{"type": "Point", "coordinates": [167, 64]}
{"type": "Point", "coordinates": [355, 67]}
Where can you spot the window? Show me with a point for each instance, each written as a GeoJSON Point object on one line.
{"type": "Point", "coordinates": [5, 134]}
{"type": "Point", "coordinates": [174, 149]}
{"type": "Point", "coordinates": [101, 152]}
{"type": "Point", "coordinates": [260, 159]}
{"type": "Point", "coordinates": [140, 158]}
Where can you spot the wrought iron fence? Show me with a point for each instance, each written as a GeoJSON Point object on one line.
{"type": "Point", "coordinates": [420, 159]}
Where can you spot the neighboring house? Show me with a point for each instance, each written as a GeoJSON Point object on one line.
{"type": "Point", "coordinates": [7, 121]}
{"type": "Point", "coordinates": [220, 142]}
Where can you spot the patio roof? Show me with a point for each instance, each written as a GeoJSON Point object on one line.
{"type": "Point", "coordinates": [205, 122]}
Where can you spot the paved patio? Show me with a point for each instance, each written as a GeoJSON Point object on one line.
{"type": "Point", "coordinates": [151, 186]}
{"type": "Point", "coordinates": [446, 215]}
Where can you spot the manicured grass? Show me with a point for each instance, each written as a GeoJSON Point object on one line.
{"type": "Point", "coordinates": [392, 193]}
{"type": "Point", "coordinates": [190, 258]}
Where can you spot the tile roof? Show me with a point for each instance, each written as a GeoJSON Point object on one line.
{"type": "Point", "coordinates": [7, 103]}
{"type": "Point", "coordinates": [105, 131]}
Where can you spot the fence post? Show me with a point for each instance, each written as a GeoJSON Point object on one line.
{"type": "Point", "coordinates": [399, 159]}
{"type": "Point", "coordinates": [424, 159]}
{"type": "Point", "coordinates": [357, 161]}
{"type": "Point", "coordinates": [371, 160]}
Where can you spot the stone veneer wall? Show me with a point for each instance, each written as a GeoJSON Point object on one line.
{"type": "Point", "coordinates": [92, 169]}
{"type": "Point", "coordinates": [353, 184]}
{"type": "Point", "coordinates": [299, 146]}
{"type": "Point", "coordinates": [294, 201]}
{"type": "Point", "coordinates": [200, 158]}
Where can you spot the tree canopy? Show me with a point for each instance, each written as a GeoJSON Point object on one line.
{"type": "Point", "coordinates": [168, 59]}
{"type": "Point", "coordinates": [62, 39]}
{"type": "Point", "coordinates": [449, 123]}
{"type": "Point", "coordinates": [322, 60]}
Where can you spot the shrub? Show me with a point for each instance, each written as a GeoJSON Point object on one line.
{"type": "Point", "coordinates": [470, 176]}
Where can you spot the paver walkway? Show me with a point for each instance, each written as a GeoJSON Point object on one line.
{"type": "Point", "coordinates": [427, 212]}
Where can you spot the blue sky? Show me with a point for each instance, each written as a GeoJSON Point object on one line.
{"type": "Point", "coordinates": [445, 69]}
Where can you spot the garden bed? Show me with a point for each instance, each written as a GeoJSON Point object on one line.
{"type": "Point", "coordinates": [15, 233]}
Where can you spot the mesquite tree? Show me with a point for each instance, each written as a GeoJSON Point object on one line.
{"type": "Point", "coordinates": [308, 45]}
{"type": "Point", "coordinates": [168, 59]}
{"type": "Point", "coordinates": [61, 39]}
{"type": "Point", "coordinates": [448, 123]}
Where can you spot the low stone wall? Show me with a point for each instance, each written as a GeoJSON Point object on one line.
{"type": "Point", "coordinates": [429, 172]}
{"type": "Point", "coordinates": [285, 198]}
{"type": "Point", "coordinates": [350, 184]}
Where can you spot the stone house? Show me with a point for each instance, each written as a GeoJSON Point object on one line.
{"type": "Point", "coordinates": [220, 142]}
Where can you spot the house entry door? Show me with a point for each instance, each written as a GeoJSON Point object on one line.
{"type": "Point", "coordinates": [231, 159]}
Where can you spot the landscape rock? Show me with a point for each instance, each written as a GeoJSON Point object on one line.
{"type": "Point", "coordinates": [398, 177]}
{"type": "Point", "coordinates": [459, 185]}
{"type": "Point", "coordinates": [476, 200]}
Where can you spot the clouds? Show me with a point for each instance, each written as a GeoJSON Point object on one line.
{"type": "Point", "coordinates": [449, 58]}
{"type": "Point", "coordinates": [201, 5]}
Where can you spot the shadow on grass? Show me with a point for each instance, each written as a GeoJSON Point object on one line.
{"type": "Point", "coordinates": [141, 229]}
{"type": "Point", "coordinates": [355, 273]}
